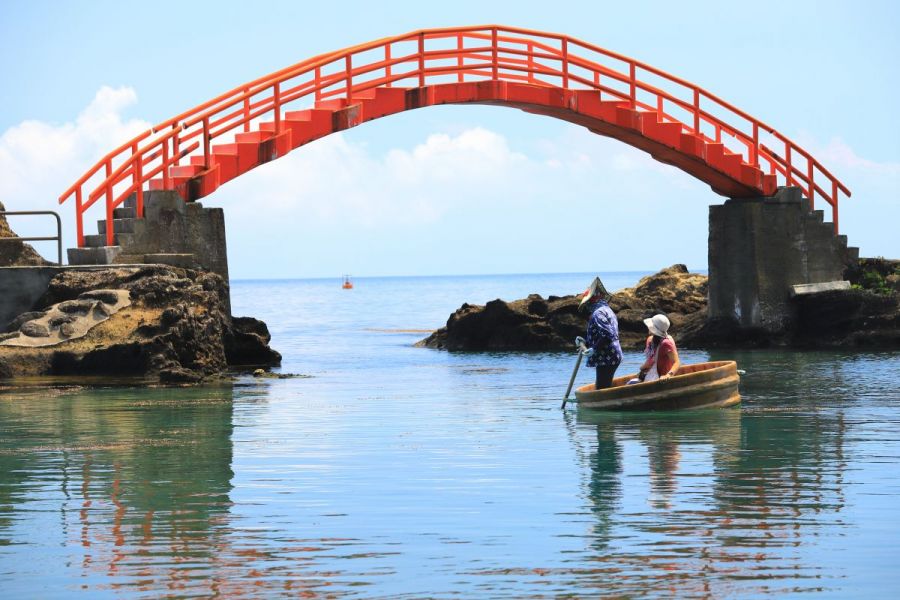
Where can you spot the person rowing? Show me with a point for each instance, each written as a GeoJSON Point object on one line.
{"type": "Point", "coordinates": [603, 349]}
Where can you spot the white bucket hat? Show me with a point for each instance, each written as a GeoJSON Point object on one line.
{"type": "Point", "coordinates": [658, 325]}
{"type": "Point", "coordinates": [596, 290]}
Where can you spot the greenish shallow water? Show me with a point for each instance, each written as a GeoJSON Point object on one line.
{"type": "Point", "coordinates": [397, 471]}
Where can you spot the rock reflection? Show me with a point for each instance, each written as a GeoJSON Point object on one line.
{"type": "Point", "coordinates": [145, 484]}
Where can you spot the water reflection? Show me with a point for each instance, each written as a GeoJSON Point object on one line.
{"type": "Point", "coordinates": [719, 496]}
{"type": "Point", "coordinates": [142, 485]}
{"type": "Point", "coordinates": [457, 479]}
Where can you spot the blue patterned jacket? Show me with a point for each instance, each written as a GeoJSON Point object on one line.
{"type": "Point", "coordinates": [603, 336]}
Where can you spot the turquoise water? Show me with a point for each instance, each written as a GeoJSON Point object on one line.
{"type": "Point", "coordinates": [396, 471]}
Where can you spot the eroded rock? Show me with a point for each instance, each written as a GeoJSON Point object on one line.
{"type": "Point", "coordinates": [247, 343]}
{"type": "Point", "coordinates": [22, 319]}
{"type": "Point", "coordinates": [866, 316]}
{"type": "Point", "coordinates": [174, 327]}
{"type": "Point", "coordinates": [535, 323]}
{"type": "Point", "coordinates": [33, 329]}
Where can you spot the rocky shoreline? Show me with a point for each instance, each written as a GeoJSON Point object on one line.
{"type": "Point", "coordinates": [171, 325]}
{"type": "Point", "coordinates": [158, 323]}
{"type": "Point", "coordinates": [865, 316]}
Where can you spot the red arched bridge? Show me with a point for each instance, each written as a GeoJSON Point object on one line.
{"type": "Point", "coordinates": [672, 119]}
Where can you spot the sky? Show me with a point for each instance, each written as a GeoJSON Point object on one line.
{"type": "Point", "coordinates": [455, 189]}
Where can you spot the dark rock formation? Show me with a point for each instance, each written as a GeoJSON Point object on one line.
{"type": "Point", "coordinates": [552, 324]}
{"type": "Point", "coordinates": [529, 324]}
{"type": "Point", "coordinates": [16, 254]}
{"type": "Point", "coordinates": [176, 329]}
{"type": "Point", "coordinates": [674, 292]}
{"type": "Point", "coordinates": [866, 316]}
{"type": "Point", "coordinates": [247, 344]}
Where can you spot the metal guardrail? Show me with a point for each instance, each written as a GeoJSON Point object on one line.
{"type": "Point", "coordinates": [58, 237]}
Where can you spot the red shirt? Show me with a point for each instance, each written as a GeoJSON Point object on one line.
{"type": "Point", "coordinates": [666, 350]}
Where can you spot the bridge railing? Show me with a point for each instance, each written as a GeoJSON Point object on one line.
{"type": "Point", "coordinates": [433, 56]}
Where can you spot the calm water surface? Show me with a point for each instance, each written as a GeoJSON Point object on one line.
{"type": "Point", "coordinates": [399, 471]}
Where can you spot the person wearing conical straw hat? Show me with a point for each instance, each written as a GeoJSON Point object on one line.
{"type": "Point", "coordinates": [662, 355]}
{"type": "Point", "coordinates": [603, 349]}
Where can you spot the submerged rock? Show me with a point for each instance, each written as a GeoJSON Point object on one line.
{"type": "Point", "coordinates": [175, 327]}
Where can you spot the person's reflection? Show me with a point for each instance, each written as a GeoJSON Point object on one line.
{"type": "Point", "coordinates": [663, 455]}
{"type": "Point", "coordinates": [605, 487]}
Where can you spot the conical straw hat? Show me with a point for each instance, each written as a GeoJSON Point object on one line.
{"type": "Point", "coordinates": [595, 291]}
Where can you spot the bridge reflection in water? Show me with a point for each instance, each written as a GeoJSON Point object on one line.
{"type": "Point", "coordinates": [132, 493]}
{"type": "Point", "coordinates": [144, 484]}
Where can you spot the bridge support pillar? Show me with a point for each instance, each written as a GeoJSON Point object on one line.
{"type": "Point", "coordinates": [179, 233]}
{"type": "Point", "coordinates": [759, 248]}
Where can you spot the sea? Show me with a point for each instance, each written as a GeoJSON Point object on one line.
{"type": "Point", "coordinates": [387, 470]}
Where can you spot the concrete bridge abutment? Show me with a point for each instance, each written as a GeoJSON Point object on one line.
{"type": "Point", "coordinates": [172, 232]}
{"type": "Point", "coordinates": [759, 248]}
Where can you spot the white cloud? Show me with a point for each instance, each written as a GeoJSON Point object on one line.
{"type": "Point", "coordinates": [837, 153]}
{"type": "Point", "coordinates": [334, 180]}
{"type": "Point", "coordinates": [39, 160]}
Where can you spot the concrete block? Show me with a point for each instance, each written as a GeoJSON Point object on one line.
{"type": "Point", "coordinates": [94, 241]}
{"type": "Point", "coordinates": [159, 202]}
{"type": "Point", "coordinates": [805, 289]}
{"type": "Point", "coordinates": [170, 232]}
{"type": "Point", "coordinates": [119, 226]}
{"type": "Point", "coordinates": [124, 213]}
{"type": "Point", "coordinates": [99, 255]}
{"type": "Point", "coordinates": [784, 195]}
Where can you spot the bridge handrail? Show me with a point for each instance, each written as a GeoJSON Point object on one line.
{"type": "Point", "coordinates": [499, 60]}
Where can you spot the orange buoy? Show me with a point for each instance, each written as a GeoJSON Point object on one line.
{"type": "Point", "coordinates": [347, 285]}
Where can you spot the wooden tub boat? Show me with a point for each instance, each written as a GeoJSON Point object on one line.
{"type": "Point", "coordinates": [703, 385]}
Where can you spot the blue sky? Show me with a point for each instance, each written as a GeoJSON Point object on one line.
{"type": "Point", "coordinates": [452, 189]}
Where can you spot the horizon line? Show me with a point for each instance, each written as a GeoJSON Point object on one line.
{"type": "Point", "coordinates": [326, 278]}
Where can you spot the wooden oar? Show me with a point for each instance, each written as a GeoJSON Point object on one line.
{"type": "Point", "coordinates": [572, 380]}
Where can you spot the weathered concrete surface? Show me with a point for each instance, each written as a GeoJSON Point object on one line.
{"type": "Point", "coordinates": [172, 226]}
{"type": "Point", "coordinates": [758, 249]}
{"type": "Point", "coordinates": [172, 232]}
{"type": "Point", "coordinates": [102, 255]}
{"type": "Point", "coordinates": [177, 328]}
{"type": "Point", "coordinates": [816, 288]}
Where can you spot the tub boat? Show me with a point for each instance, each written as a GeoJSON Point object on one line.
{"type": "Point", "coordinates": [702, 385]}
